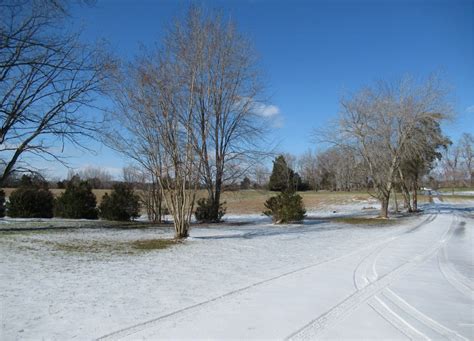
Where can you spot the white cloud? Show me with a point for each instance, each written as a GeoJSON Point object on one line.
{"type": "Point", "coordinates": [470, 109]}
{"type": "Point", "coordinates": [265, 110]}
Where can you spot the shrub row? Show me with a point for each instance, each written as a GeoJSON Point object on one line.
{"type": "Point", "coordinates": [76, 202]}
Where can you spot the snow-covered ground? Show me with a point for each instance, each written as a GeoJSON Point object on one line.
{"type": "Point", "coordinates": [465, 193]}
{"type": "Point", "coordinates": [320, 279]}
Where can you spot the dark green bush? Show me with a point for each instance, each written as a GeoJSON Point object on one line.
{"type": "Point", "coordinates": [2, 203]}
{"type": "Point", "coordinates": [121, 205]}
{"type": "Point", "coordinates": [206, 211]}
{"type": "Point", "coordinates": [77, 202]}
{"type": "Point", "coordinates": [32, 202]}
{"type": "Point", "coordinates": [286, 207]}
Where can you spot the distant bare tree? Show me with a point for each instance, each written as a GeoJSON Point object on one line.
{"type": "Point", "coordinates": [147, 188]}
{"type": "Point", "coordinates": [96, 176]}
{"type": "Point", "coordinates": [377, 123]}
{"type": "Point", "coordinates": [46, 77]}
{"type": "Point", "coordinates": [451, 165]}
{"type": "Point", "coordinates": [261, 175]}
{"type": "Point", "coordinates": [308, 168]}
{"type": "Point", "coordinates": [466, 144]}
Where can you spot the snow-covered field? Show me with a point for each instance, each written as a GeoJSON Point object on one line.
{"type": "Point", "coordinates": [464, 193]}
{"type": "Point", "coordinates": [321, 279]}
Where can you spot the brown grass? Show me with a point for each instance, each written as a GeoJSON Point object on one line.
{"type": "Point", "coordinates": [252, 201]}
{"type": "Point", "coordinates": [364, 221]}
{"type": "Point", "coordinates": [92, 246]}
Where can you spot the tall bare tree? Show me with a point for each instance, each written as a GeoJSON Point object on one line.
{"type": "Point", "coordinates": [46, 78]}
{"type": "Point", "coordinates": [377, 123]}
{"type": "Point", "coordinates": [227, 99]}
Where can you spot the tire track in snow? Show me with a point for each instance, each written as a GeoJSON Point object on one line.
{"type": "Point", "coordinates": [361, 279]}
{"type": "Point", "coordinates": [384, 311]}
{"type": "Point", "coordinates": [351, 303]}
{"type": "Point", "coordinates": [379, 306]}
{"type": "Point", "coordinates": [457, 280]}
{"type": "Point", "coordinates": [149, 323]}
{"type": "Point", "coordinates": [418, 315]}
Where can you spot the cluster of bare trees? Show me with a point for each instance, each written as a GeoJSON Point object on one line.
{"type": "Point", "coordinates": [393, 131]}
{"type": "Point", "coordinates": [334, 169]}
{"type": "Point", "coordinates": [46, 77]}
{"type": "Point", "coordinates": [186, 113]}
{"type": "Point", "coordinates": [457, 165]}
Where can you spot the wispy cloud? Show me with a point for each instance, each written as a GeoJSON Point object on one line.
{"type": "Point", "coordinates": [266, 110]}
{"type": "Point", "coordinates": [470, 109]}
{"type": "Point", "coordinates": [271, 112]}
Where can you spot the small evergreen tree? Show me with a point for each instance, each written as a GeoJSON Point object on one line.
{"type": "Point", "coordinates": [204, 211]}
{"type": "Point", "coordinates": [2, 203]}
{"type": "Point", "coordinates": [77, 201]}
{"type": "Point", "coordinates": [121, 205]}
{"type": "Point", "coordinates": [32, 199]}
{"type": "Point", "coordinates": [283, 178]}
{"type": "Point", "coordinates": [286, 207]}
{"type": "Point", "coordinates": [245, 183]}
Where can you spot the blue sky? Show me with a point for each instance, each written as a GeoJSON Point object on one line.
{"type": "Point", "coordinates": [311, 52]}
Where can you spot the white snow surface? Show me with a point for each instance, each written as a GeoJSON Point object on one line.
{"type": "Point", "coordinates": [466, 193]}
{"type": "Point", "coordinates": [253, 280]}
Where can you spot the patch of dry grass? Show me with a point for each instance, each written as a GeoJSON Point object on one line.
{"type": "Point", "coordinates": [111, 247]}
{"type": "Point", "coordinates": [154, 244]}
{"type": "Point", "coordinates": [252, 201]}
{"type": "Point", "coordinates": [364, 221]}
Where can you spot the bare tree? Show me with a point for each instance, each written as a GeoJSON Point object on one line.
{"type": "Point", "coordinates": [451, 165]}
{"type": "Point", "coordinates": [261, 175]}
{"type": "Point", "coordinates": [155, 118]}
{"type": "Point", "coordinates": [308, 168]}
{"type": "Point", "coordinates": [96, 176]}
{"type": "Point", "coordinates": [466, 144]}
{"type": "Point", "coordinates": [46, 78]}
{"type": "Point", "coordinates": [228, 127]}
{"type": "Point", "coordinates": [377, 123]}
{"type": "Point", "coordinates": [147, 188]}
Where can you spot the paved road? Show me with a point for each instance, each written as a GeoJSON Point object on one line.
{"type": "Point", "coordinates": [417, 284]}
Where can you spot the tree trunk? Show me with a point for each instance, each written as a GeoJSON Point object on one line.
{"type": "Point", "coordinates": [406, 198]}
{"type": "Point", "coordinates": [181, 230]}
{"type": "Point", "coordinates": [415, 199]}
{"type": "Point", "coordinates": [384, 208]}
{"type": "Point", "coordinates": [415, 194]}
{"type": "Point", "coordinates": [216, 200]}
{"type": "Point", "coordinates": [395, 200]}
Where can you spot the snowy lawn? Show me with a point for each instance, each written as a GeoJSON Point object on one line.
{"type": "Point", "coordinates": [244, 279]}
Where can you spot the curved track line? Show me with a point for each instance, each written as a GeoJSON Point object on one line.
{"type": "Point", "coordinates": [377, 303]}
{"type": "Point", "coordinates": [381, 308]}
{"type": "Point", "coordinates": [351, 303]}
{"type": "Point", "coordinates": [456, 279]}
{"type": "Point", "coordinates": [149, 323]}
{"type": "Point", "coordinates": [412, 311]}
{"type": "Point", "coordinates": [418, 315]}
{"type": "Point", "coordinates": [364, 262]}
